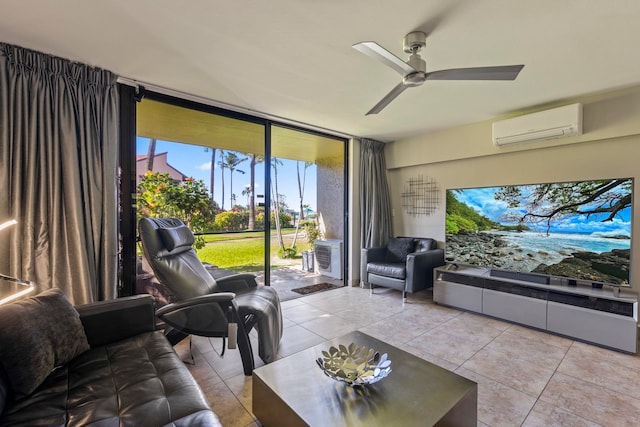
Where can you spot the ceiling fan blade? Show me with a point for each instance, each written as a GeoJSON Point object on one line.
{"type": "Point", "coordinates": [375, 51]}
{"type": "Point", "coordinates": [387, 99]}
{"type": "Point", "coordinates": [504, 72]}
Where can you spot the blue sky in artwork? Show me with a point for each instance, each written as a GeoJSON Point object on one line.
{"type": "Point", "coordinates": [194, 161]}
{"type": "Point", "coordinates": [483, 201]}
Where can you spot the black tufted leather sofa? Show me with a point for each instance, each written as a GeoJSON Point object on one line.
{"type": "Point", "coordinates": [405, 264]}
{"type": "Point", "coordinates": [130, 377]}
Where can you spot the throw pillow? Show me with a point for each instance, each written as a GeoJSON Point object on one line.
{"type": "Point", "coordinates": [37, 335]}
{"type": "Point", "coordinates": [423, 245]}
{"type": "Point", "coordinates": [398, 248]}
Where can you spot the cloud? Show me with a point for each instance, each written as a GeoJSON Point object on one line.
{"type": "Point", "coordinates": [204, 166]}
{"type": "Point", "coordinates": [482, 200]}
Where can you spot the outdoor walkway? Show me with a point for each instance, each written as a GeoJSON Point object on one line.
{"type": "Point", "coordinates": [283, 280]}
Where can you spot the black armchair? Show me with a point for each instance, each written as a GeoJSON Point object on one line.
{"type": "Point", "coordinates": [405, 264]}
{"type": "Point", "coordinates": [202, 305]}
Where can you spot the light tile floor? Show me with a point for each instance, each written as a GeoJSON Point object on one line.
{"type": "Point", "coordinates": [525, 377]}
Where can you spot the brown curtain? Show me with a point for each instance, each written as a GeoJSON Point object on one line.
{"type": "Point", "coordinates": [58, 151]}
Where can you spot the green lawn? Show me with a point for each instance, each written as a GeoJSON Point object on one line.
{"type": "Point", "coordinates": [233, 236]}
{"type": "Point", "coordinates": [244, 252]}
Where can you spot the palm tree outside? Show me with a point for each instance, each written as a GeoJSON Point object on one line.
{"type": "Point", "coordinates": [275, 162]}
{"type": "Point", "coordinates": [232, 161]}
{"type": "Point", "coordinates": [301, 185]}
{"type": "Point", "coordinates": [151, 154]}
{"type": "Point", "coordinates": [254, 160]}
{"type": "Point", "coordinates": [212, 175]}
{"type": "Point", "coordinates": [223, 166]}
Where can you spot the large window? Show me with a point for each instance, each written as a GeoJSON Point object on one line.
{"type": "Point", "coordinates": [250, 189]}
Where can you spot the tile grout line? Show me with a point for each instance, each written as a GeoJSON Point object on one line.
{"type": "Point", "coordinates": [555, 370]}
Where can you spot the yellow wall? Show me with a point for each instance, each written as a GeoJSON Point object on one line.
{"type": "Point", "coordinates": [466, 157]}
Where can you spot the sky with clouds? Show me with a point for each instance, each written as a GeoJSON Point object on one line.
{"type": "Point", "coordinates": [483, 201]}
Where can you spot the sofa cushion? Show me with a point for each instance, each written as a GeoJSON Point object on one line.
{"type": "Point", "coordinates": [5, 388]}
{"type": "Point", "coordinates": [133, 382]}
{"type": "Point", "coordinates": [398, 248]}
{"type": "Point", "coordinates": [396, 270]}
{"type": "Point", "coordinates": [38, 334]}
{"type": "Point", "coordinates": [423, 245]}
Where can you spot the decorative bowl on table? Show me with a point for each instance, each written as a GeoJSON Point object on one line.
{"type": "Point", "coordinates": [354, 365]}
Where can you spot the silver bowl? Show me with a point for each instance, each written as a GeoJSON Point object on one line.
{"type": "Point", "coordinates": [354, 365]}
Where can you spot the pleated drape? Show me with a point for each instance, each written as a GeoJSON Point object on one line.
{"type": "Point", "coordinates": [375, 202]}
{"type": "Point", "coordinates": [58, 159]}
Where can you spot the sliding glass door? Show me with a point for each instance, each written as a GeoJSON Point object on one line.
{"type": "Point", "coordinates": [255, 193]}
{"type": "Point", "coordinates": [308, 192]}
{"type": "Point", "coordinates": [207, 170]}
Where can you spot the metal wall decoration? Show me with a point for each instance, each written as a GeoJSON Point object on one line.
{"type": "Point", "coordinates": [420, 196]}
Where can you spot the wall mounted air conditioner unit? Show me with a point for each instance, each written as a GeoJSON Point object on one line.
{"type": "Point", "coordinates": [329, 257]}
{"type": "Point", "coordinates": [554, 123]}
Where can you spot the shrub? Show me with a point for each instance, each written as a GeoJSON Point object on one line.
{"type": "Point", "coordinates": [312, 231]}
{"type": "Point", "coordinates": [229, 220]}
{"type": "Point", "coordinates": [259, 225]}
{"type": "Point", "coordinates": [285, 220]}
{"type": "Point", "coordinates": [287, 253]}
{"type": "Point", "coordinates": [161, 196]}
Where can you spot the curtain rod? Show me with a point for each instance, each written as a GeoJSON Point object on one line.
{"type": "Point", "coordinates": [226, 106]}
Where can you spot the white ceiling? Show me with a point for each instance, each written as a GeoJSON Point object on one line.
{"type": "Point", "coordinates": [293, 58]}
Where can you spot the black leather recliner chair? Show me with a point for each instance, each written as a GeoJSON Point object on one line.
{"type": "Point", "coordinates": [405, 264]}
{"type": "Point", "coordinates": [204, 306]}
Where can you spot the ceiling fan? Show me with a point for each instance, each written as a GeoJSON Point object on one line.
{"type": "Point", "coordinates": [414, 70]}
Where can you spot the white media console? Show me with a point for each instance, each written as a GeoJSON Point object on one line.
{"type": "Point", "coordinates": [581, 312]}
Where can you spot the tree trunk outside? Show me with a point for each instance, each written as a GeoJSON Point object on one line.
{"type": "Point", "coordinates": [276, 217]}
{"type": "Point", "coordinates": [151, 154]}
{"type": "Point", "coordinates": [232, 199]}
{"type": "Point", "coordinates": [301, 188]}
{"type": "Point", "coordinates": [222, 175]}
{"type": "Point", "coordinates": [276, 211]}
{"type": "Point", "coordinates": [252, 198]}
{"type": "Point", "coordinates": [213, 168]}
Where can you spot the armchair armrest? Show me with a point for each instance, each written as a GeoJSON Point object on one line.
{"type": "Point", "coordinates": [368, 255]}
{"type": "Point", "coordinates": [109, 321]}
{"type": "Point", "coordinates": [374, 254]}
{"type": "Point", "coordinates": [420, 267]}
{"type": "Point", "coordinates": [205, 315]}
{"type": "Point", "coordinates": [237, 282]}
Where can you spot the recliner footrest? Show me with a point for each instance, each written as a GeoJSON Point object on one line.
{"type": "Point", "coordinates": [263, 303]}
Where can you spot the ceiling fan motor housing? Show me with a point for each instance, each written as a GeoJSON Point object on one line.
{"type": "Point", "coordinates": [414, 42]}
{"type": "Point", "coordinates": [420, 75]}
